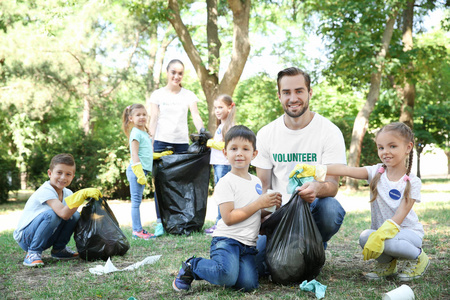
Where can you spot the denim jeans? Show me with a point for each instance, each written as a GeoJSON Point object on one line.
{"type": "Point", "coordinates": [328, 215]}
{"type": "Point", "coordinates": [232, 265]}
{"type": "Point", "coordinates": [47, 230]}
{"type": "Point", "coordinates": [219, 172]}
{"type": "Point", "coordinates": [136, 193]}
{"type": "Point", "coordinates": [159, 146]}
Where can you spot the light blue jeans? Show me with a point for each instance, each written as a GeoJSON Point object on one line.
{"type": "Point", "coordinates": [47, 230]}
{"type": "Point", "coordinates": [136, 193]}
{"type": "Point", "coordinates": [328, 215]}
{"type": "Point", "coordinates": [219, 172]}
{"type": "Point", "coordinates": [406, 244]}
{"type": "Point", "coordinates": [232, 265]}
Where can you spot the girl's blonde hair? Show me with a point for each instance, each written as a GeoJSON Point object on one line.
{"type": "Point", "coordinates": [127, 112]}
{"type": "Point", "coordinates": [406, 133]}
{"type": "Point", "coordinates": [229, 121]}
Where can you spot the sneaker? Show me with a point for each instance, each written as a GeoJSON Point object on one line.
{"type": "Point", "coordinates": [33, 259]}
{"type": "Point", "coordinates": [159, 229]}
{"type": "Point", "coordinates": [184, 278]}
{"type": "Point", "coordinates": [383, 270]}
{"type": "Point", "coordinates": [65, 253]}
{"type": "Point", "coordinates": [415, 268]}
{"type": "Point", "coordinates": [143, 234]}
{"type": "Point", "coordinates": [211, 229]}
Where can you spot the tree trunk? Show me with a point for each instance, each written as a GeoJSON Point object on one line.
{"type": "Point", "coordinates": [448, 161]}
{"type": "Point", "coordinates": [362, 119]}
{"type": "Point", "coordinates": [409, 90]}
{"type": "Point", "coordinates": [419, 149]}
{"type": "Point", "coordinates": [209, 76]}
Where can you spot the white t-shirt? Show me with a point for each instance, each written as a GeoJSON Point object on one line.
{"type": "Point", "coordinates": [217, 157]}
{"type": "Point", "coordinates": [241, 191]}
{"type": "Point", "coordinates": [384, 207]}
{"type": "Point", "coordinates": [172, 126]}
{"type": "Point", "coordinates": [280, 149]}
{"type": "Point", "coordinates": [36, 205]}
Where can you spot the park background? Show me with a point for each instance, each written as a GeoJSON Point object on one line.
{"type": "Point", "coordinates": [69, 68]}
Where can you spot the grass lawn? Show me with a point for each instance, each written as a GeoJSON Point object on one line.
{"type": "Point", "coordinates": [343, 272]}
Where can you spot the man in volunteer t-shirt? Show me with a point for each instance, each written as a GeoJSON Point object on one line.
{"type": "Point", "coordinates": [301, 136]}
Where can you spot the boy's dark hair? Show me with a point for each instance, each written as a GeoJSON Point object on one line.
{"type": "Point", "coordinates": [240, 131]}
{"type": "Point", "coordinates": [63, 158]}
{"type": "Point", "coordinates": [293, 71]}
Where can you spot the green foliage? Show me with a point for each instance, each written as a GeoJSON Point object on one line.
{"type": "Point", "coordinates": [256, 102]}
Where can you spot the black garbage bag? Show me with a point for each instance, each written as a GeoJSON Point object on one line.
{"type": "Point", "coordinates": [97, 234]}
{"type": "Point", "coordinates": [181, 185]}
{"type": "Point", "coordinates": [294, 250]}
{"type": "Point", "coordinates": [199, 141]}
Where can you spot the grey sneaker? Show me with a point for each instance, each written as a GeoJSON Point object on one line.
{"type": "Point", "coordinates": [64, 254]}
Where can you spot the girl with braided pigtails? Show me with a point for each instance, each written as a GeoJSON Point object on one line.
{"type": "Point", "coordinates": [396, 233]}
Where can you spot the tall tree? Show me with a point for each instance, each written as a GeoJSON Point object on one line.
{"type": "Point", "coordinates": [208, 69]}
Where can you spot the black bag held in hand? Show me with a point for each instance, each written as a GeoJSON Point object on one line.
{"type": "Point", "coordinates": [294, 250]}
{"type": "Point", "coordinates": [181, 185]}
{"type": "Point", "coordinates": [97, 234]}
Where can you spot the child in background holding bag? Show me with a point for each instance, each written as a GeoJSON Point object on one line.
{"type": "Point", "coordinates": [225, 111]}
{"type": "Point", "coordinates": [233, 251]}
{"type": "Point", "coordinates": [134, 125]}
{"type": "Point", "coordinates": [396, 232]}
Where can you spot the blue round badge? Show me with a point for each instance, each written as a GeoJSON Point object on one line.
{"type": "Point", "coordinates": [219, 130]}
{"type": "Point", "coordinates": [395, 194]}
{"type": "Point", "coordinates": [258, 189]}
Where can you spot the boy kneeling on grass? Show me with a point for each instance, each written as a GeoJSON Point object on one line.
{"type": "Point", "coordinates": [233, 246]}
{"type": "Point", "coordinates": [50, 214]}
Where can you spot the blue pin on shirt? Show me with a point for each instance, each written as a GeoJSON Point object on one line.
{"type": "Point", "coordinates": [258, 189]}
{"type": "Point", "coordinates": [395, 194]}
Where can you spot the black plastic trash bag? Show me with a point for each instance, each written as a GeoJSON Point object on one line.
{"type": "Point", "coordinates": [199, 141]}
{"type": "Point", "coordinates": [97, 234]}
{"type": "Point", "coordinates": [294, 250]}
{"type": "Point", "coordinates": [181, 185]}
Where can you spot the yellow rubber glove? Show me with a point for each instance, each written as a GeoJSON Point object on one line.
{"type": "Point", "coordinates": [139, 172]}
{"type": "Point", "coordinates": [318, 172]}
{"type": "Point", "coordinates": [161, 154]}
{"type": "Point", "coordinates": [216, 145]}
{"type": "Point", "coordinates": [76, 199]}
{"type": "Point", "coordinates": [375, 244]}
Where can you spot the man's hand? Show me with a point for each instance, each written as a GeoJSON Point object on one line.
{"type": "Point", "coordinates": [309, 191]}
{"type": "Point", "coordinates": [76, 199]}
{"type": "Point", "coordinates": [158, 155]}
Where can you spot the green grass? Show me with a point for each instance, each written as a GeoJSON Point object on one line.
{"type": "Point", "coordinates": [343, 273]}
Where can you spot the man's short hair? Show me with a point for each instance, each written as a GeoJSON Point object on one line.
{"type": "Point", "coordinates": [293, 71]}
{"type": "Point", "coordinates": [63, 158]}
{"type": "Point", "coordinates": [240, 131]}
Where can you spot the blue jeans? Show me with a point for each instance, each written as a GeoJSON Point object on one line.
{"type": "Point", "coordinates": [328, 215]}
{"type": "Point", "coordinates": [47, 230]}
{"type": "Point", "coordinates": [232, 264]}
{"type": "Point", "coordinates": [136, 193]}
{"type": "Point", "coordinates": [219, 172]}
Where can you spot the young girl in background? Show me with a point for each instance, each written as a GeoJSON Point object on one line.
{"type": "Point", "coordinates": [134, 125]}
{"type": "Point", "coordinates": [225, 111]}
{"type": "Point", "coordinates": [396, 233]}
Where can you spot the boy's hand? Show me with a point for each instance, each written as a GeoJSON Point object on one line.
{"type": "Point", "coordinates": [270, 199]}
{"type": "Point", "coordinates": [139, 172]}
{"type": "Point", "coordinates": [76, 199]}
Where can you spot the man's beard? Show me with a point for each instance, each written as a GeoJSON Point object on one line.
{"type": "Point", "coordinates": [297, 114]}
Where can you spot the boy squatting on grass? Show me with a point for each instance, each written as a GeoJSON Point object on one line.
{"type": "Point", "coordinates": [50, 214]}
{"type": "Point", "coordinates": [239, 195]}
